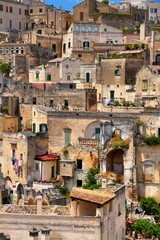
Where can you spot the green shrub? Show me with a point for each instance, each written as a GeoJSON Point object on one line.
{"type": "Point", "coordinates": [150, 206]}
{"type": "Point", "coordinates": [90, 181]}
{"type": "Point", "coordinates": [152, 140]}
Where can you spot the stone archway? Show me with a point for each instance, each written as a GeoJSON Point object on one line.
{"type": "Point", "coordinates": [115, 161]}
{"type": "Point", "coordinates": [20, 192]}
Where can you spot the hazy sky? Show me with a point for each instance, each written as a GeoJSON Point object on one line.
{"type": "Point", "coordinates": [68, 4]}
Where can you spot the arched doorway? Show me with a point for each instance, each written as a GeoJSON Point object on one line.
{"type": "Point", "coordinates": [114, 161]}
{"type": "Point", "coordinates": [20, 192]}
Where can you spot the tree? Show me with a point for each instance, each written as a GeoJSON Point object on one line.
{"type": "Point", "coordinates": [5, 69]}
{"type": "Point", "coordinates": [146, 228]}
{"type": "Point", "coordinates": [150, 206]}
{"type": "Point", "coordinates": [90, 180]}
{"type": "Point", "coordinates": [105, 1]}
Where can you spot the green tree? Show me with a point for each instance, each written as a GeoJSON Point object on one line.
{"type": "Point", "coordinates": [5, 69]}
{"type": "Point", "coordinates": [146, 228]}
{"type": "Point", "coordinates": [90, 181]}
{"type": "Point", "coordinates": [150, 206]}
{"type": "Point", "coordinates": [105, 1]}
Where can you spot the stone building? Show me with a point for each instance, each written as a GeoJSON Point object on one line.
{"type": "Point", "coordinates": [86, 10]}
{"type": "Point", "coordinates": [81, 37]}
{"type": "Point", "coordinates": [147, 86]}
{"type": "Point", "coordinates": [13, 15]}
{"type": "Point", "coordinates": [45, 19]}
{"type": "Point", "coordinates": [85, 140]}
{"type": "Point", "coordinates": [100, 221]}
{"type": "Point", "coordinates": [154, 12]}
{"type": "Point", "coordinates": [62, 70]}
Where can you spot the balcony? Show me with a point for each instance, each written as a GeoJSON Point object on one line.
{"type": "Point", "coordinates": [89, 142]}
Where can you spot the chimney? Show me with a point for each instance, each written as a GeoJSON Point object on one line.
{"type": "Point", "coordinates": [33, 234]}
{"type": "Point", "coordinates": [39, 204]}
{"type": "Point", "coordinates": [45, 233]}
{"type": "Point", "coordinates": [104, 183]}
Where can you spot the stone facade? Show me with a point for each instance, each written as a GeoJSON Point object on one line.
{"type": "Point", "coordinates": [13, 15]}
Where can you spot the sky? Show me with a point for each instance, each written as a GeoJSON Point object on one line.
{"type": "Point", "coordinates": [68, 4]}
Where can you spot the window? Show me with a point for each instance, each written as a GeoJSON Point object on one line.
{"type": "Point", "coordinates": [71, 86]}
{"type": "Point", "coordinates": [89, 29]}
{"type": "Point", "coordinates": [67, 66]}
{"type": "Point", "coordinates": [87, 77]}
{"type": "Point", "coordinates": [145, 85]}
{"type": "Point", "coordinates": [66, 104]}
{"type": "Point", "coordinates": [17, 50]}
{"type": "Point", "coordinates": [26, 12]}
{"type": "Point", "coordinates": [100, 57]}
{"type": "Point", "coordinates": [37, 75]}
{"type": "Point", "coordinates": [36, 166]}
{"type": "Point", "coordinates": [12, 50]}
{"type": "Point", "coordinates": [31, 11]}
{"type": "Point", "coordinates": [68, 77]}
{"type": "Point", "coordinates": [7, 51]}
{"type": "Point", "coordinates": [67, 25]}
{"type": "Point", "coordinates": [21, 156]}
{"type": "Point", "coordinates": [54, 47]}
{"type": "Point", "coordinates": [1, 21]}
{"type": "Point", "coordinates": [52, 172]}
{"type": "Point", "coordinates": [95, 29]}
{"type": "Point", "coordinates": [34, 100]}
{"type": "Point", "coordinates": [1, 8]}
{"type": "Point", "coordinates": [79, 183]}
{"type": "Point", "coordinates": [159, 132]}
{"type": "Point", "coordinates": [39, 44]}
{"type": "Point", "coordinates": [77, 28]}
{"type": "Point", "coordinates": [148, 171]}
{"type": "Point", "coordinates": [10, 10]}
{"type": "Point", "coordinates": [83, 28]}
{"type": "Point", "coordinates": [86, 45]}
{"type": "Point", "coordinates": [19, 25]}
{"type": "Point", "coordinates": [13, 153]}
{"type": "Point", "coordinates": [64, 48]}
{"type": "Point", "coordinates": [6, 8]}
{"type": "Point", "coordinates": [19, 11]}
{"type": "Point", "coordinates": [10, 23]}
{"type": "Point", "coordinates": [79, 164]}
{"type": "Point", "coordinates": [48, 77]}
{"type": "Point", "coordinates": [154, 87]}
{"type": "Point", "coordinates": [81, 16]}
{"type": "Point", "coordinates": [43, 128]}
{"type": "Point", "coordinates": [97, 133]}
{"type": "Point", "coordinates": [117, 72]}
{"type": "Point", "coordinates": [117, 86]}
{"type": "Point", "coordinates": [34, 127]}
{"type": "Point", "coordinates": [40, 10]}
{"type": "Point", "coordinates": [39, 31]}
{"type": "Point", "coordinates": [67, 136]}
{"type": "Point", "coordinates": [69, 45]}
{"type": "Point", "coordinates": [110, 206]}
{"type": "Point", "coordinates": [51, 103]}
{"type": "Point", "coordinates": [105, 29]}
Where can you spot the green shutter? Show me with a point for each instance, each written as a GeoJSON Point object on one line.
{"type": "Point", "coordinates": [37, 74]}
{"type": "Point", "coordinates": [97, 133]}
{"type": "Point", "coordinates": [67, 137]}
{"type": "Point", "coordinates": [49, 77]}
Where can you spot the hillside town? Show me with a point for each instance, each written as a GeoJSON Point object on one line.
{"type": "Point", "coordinates": [80, 120]}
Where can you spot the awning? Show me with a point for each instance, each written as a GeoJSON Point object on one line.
{"type": "Point", "coordinates": [47, 157]}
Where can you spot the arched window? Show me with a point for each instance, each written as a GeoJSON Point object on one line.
{"type": "Point", "coordinates": [69, 45]}
{"type": "Point", "coordinates": [83, 28]}
{"type": "Point", "coordinates": [96, 29]}
{"type": "Point", "coordinates": [89, 29]}
{"type": "Point", "coordinates": [77, 28]}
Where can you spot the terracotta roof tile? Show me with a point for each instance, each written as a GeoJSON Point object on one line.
{"type": "Point", "coordinates": [47, 157]}
{"type": "Point", "coordinates": [96, 196]}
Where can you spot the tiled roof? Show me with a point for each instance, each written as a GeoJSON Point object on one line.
{"type": "Point", "coordinates": [47, 157]}
{"type": "Point", "coordinates": [96, 196]}
{"type": "Point", "coordinates": [42, 86]}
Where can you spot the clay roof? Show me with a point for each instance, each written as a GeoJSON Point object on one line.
{"type": "Point", "coordinates": [96, 196]}
{"type": "Point", "coordinates": [47, 157]}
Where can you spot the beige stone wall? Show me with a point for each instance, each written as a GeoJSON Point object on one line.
{"type": "Point", "coordinates": [24, 150]}
{"type": "Point", "coordinates": [13, 19]}
{"type": "Point", "coordinates": [85, 228]}
{"type": "Point", "coordinates": [38, 117]}
{"type": "Point", "coordinates": [148, 170]}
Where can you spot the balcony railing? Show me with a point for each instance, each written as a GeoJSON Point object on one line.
{"type": "Point", "coordinates": [89, 142]}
